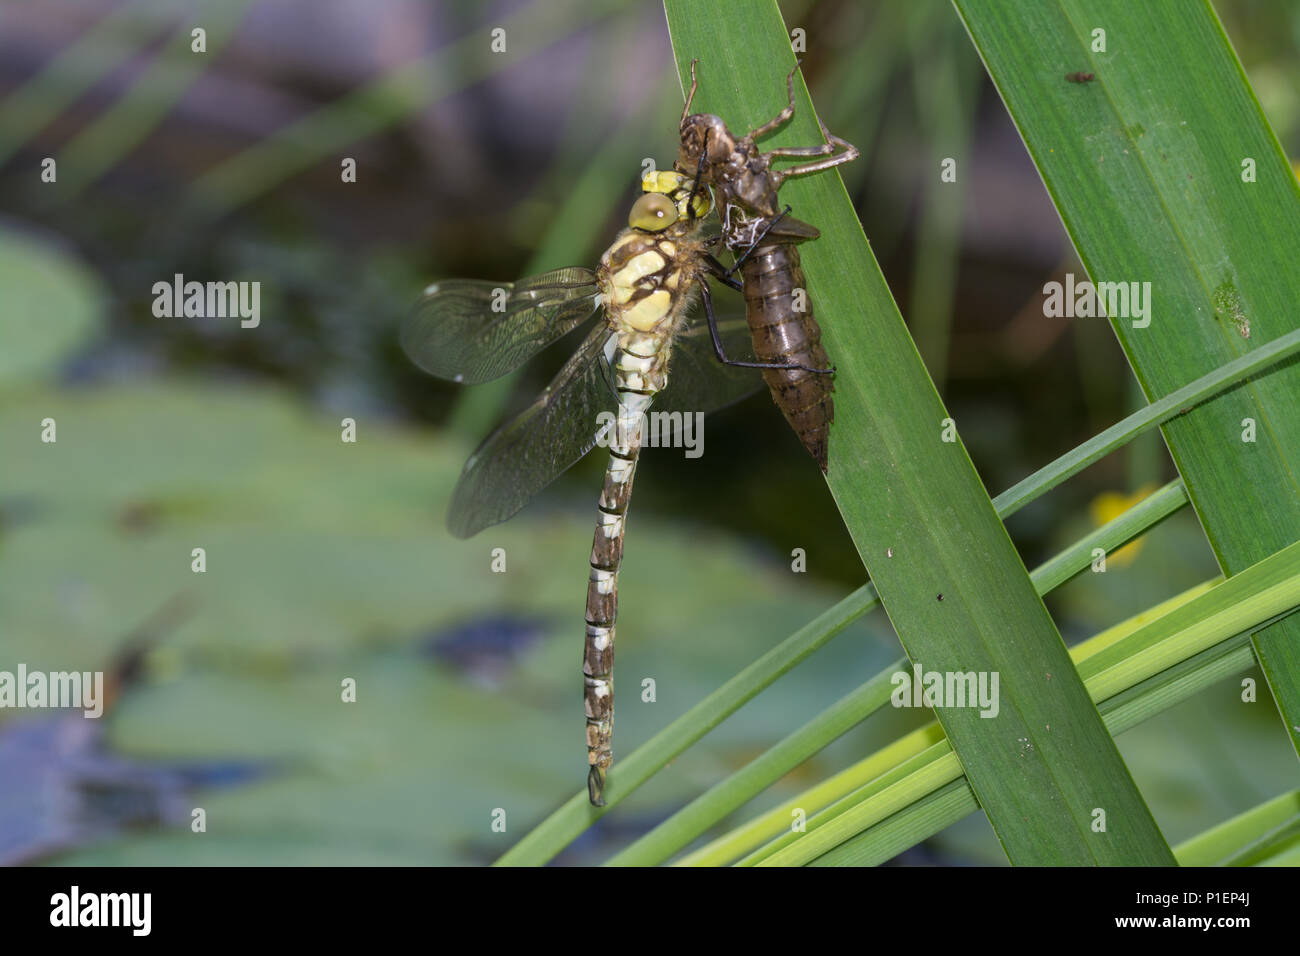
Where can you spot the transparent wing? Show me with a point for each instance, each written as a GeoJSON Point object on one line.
{"type": "Point", "coordinates": [454, 333]}
{"type": "Point", "coordinates": [697, 379]}
{"type": "Point", "coordinates": [545, 439]}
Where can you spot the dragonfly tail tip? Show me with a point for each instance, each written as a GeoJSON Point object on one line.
{"type": "Point", "coordinates": [596, 786]}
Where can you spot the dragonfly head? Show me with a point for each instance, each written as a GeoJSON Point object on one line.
{"type": "Point", "coordinates": [664, 201]}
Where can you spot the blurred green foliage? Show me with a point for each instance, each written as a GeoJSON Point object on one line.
{"type": "Point", "coordinates": [328, 560]}
{"type": "Point", "coordinates": [53, 304]}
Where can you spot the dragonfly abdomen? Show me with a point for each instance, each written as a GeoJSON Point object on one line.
{"type": "Point", "coordinates": [774, 291]}
{"type": "Point", "coordinates": [624, 441]}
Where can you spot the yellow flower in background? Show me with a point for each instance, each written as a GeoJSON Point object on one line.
{"type": "Point", "coordinates": [1108, 506]}
{"type": "Point", "coordinates": [1296, 167]}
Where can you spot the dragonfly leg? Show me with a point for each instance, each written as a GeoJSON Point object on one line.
{"type": "Point", "coordinates": [833, 142]}
{"type": "Point", "coordinates": [699, 174]}
{"type": "Point", "coordinates": [721, 272]}
{"type": "Point", "coordinates": [686, 110]}
{"type": "Point", "coordinates": [786, 151]}
{"type": "Point", "coordinates": [707, 298]}
{"type": "Point", "coordinates": [783, 117]}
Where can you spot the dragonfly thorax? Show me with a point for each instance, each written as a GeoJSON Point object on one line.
{"type": "Point", "coordinates": [646, 281]}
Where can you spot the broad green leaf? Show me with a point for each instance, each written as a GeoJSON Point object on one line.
{"type": "Point", "coordinates": [950, 579]}
{"type": "Point", "coordinates": [1165, 170]}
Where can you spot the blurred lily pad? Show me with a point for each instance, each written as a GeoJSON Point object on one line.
{"type": "Point", "coordinates": [328, 560]}
{"type": "Point", "coordinates": [53, 304]}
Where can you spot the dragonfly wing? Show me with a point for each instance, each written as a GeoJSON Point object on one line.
{"type": "Point", "coordinates": [531, 450]}
{"type": "Point", "coordinates": [697, 379]}
{"type": "Point", "coordinates": [470, 330]}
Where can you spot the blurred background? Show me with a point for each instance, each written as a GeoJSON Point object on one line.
{"type": "Point", "coordinates": [328, 560]}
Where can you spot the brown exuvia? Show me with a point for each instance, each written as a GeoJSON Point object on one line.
{"type": "Point", "coordinates": [786, 337]}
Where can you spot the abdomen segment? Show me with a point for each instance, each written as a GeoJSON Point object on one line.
{"type": "Point", "coordinates": [774, 289]}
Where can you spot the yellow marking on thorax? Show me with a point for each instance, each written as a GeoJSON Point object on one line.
{"type": "Point", "coordinates": [643, 283]}
{"type": "Point", "coordinates": [648, 313]}
{"type": "Point", "coordinates": [627, 280]}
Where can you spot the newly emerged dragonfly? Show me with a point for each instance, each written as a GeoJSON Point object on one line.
{"type": "Point", "coordinates": [785, 332]}
{"type": "Point", "coordinates": [472, 331]}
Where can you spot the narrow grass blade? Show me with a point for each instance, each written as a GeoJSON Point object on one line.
{"type": "Point", "coordinates": [1248, 600]}
{"type": "Point", "coordinates": [1176, 403]}
{"type": "Point", "coordinates": [944, 807]}
{"type": "Point", "coordinates": [1247, 837]}
{"type": "Point", "coordinates": [555, 833]}
{"type": "Point", "coordinates": [945, 77]}
{"type": "Point", "coordinates": [104, 47]}
{"type": "Point", "coordinates": [707, 809]}
{"type": "Point", "coordinates": [692, 820]}
{"type": "Point", "coordinates": [887, 766]}
{"type": "Point", "coordinates": [156, 90]}
{"type": "Point", "coordinates": [378, 105]}
{"type": "Point", "coordinates": [1258, 594]}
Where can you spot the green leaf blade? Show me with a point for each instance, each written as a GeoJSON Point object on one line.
{"type": "Point", "coordinates": [950, 579]}
{"type": "Point", "coordinates": [1148, 167]}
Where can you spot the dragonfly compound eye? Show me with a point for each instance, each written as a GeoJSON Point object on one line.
{"type": "Point", "coordinates": [653, 212]}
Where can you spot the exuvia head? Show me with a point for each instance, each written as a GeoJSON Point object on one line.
{"type": "Point", "coordinates": [667, 198]}
{"type": "Point", "coordinates": [704, 139]}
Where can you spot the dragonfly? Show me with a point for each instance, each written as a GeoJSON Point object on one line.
{"type": "Point", "coordinates": [646, 283]}
{"type": "Point", "coordinates": [781, 321]}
